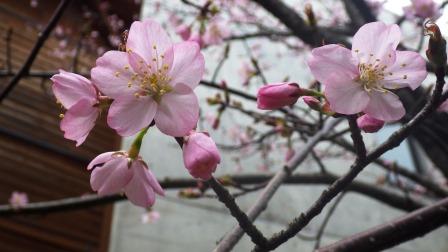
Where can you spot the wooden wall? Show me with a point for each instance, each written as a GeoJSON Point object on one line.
{"type": "Point", "coordinates": [34, 156]}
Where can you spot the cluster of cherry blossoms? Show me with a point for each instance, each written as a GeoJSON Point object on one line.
{"type": "Point", "coordinates": [357, 81]}
{"type": "Point", "coordinates": [151, 83]}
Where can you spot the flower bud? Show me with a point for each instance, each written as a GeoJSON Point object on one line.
{"type": "Point", "coordinates": [312, 102]}
{"type": "Point", "coordinates": [184, 31]}
{"type": "Point", "coordinates": [436, 51]}
{"type": "Point", "coordinates": [201, 156]}
{"type": "Point", "coordinates": [369, 124]}
{"type": "Point", "coordinates": [274, 96]}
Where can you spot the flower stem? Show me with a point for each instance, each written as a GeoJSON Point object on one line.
{"type": "Point", "coordinates": [135, 147]}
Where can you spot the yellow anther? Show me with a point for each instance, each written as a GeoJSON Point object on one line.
{"type": "Point", "coordinates": [61, 116]}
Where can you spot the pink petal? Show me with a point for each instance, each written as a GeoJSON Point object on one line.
{"type": "Point", "coordinates": [113, 73]}
{"type": "Point", "coordinates": [385, 106]}
{"type": "Point", "coordinates": [100, 159]}
{"type": "Point", "coordinates": [378, 39]}
{"type": "Point", "coordinates": [129, 114]}
{"type": "Point", "coordinates": [144, 35]}
{"type": "Point", "coordinates": [178, 112]}
{"type": "Point", "coordinates": [69, 88]}
{"type": "Point", "coordinates": [79, 120]}
{"type": "Point", "coordinates": [112, 177]}
{"type": "Point", "coordinates": [409, 70]}
{"type": "Point", "coordinates": [345, 95]}
{"type": "Point", "coordinates": [188, 64]}
{"type": "Point", "coordinates": [329, 59]}
{"type": "Point", "coordinates": [139, 190]}
{"type": "Point", "coordinates": [148, 175]}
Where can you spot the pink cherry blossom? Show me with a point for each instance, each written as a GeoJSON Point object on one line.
{"type": "Point", "coordinates": [201, 156]}
{"type": "Point", "coordinates": [360, 80]}
{"type": "Point", "coordinates": [78, 95]}
{"type": "Point", "coordinates": [216, 32]}
{"type": "Point", "coordinates": [422, 9]}
{"type": "Point", "coordinates": [153, 80]}
{"type": "Point", "coordinates": [115, 172]}
{"type": "Point", "coordinates": [369, 124]}
{"type": "Point", "coordinates": [277, 95]}
{"type": "Point", "coordinates": [18, 199]}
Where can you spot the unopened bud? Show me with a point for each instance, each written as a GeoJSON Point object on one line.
{"type": "Point", "coordinates": [369, 124]}
{"type": "Point", "coordinates": [436, 51]}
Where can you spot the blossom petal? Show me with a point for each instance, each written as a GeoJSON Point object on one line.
{"type": "Point", "coordinates": [100, 159]}
{"type": "Point", "coordinates": [113, 73]}
{"type": "Point", "coordinates": [329, 59]}
{"type": "Point", "coordinates": [79, 120]}
{"type": "Point", "coordinates": [69, 88]}
{"type": "Point", "coordinates": [178, 112]}
{"type": "Point", "coordinates": [129, 114]}
{"type": "Point", "coordinates": [152, 180]}
{"type": "Point", "coordinates": [188, 64]}
{"type": "Point", "coordinates": [139, 190]}
{"type": "Point", "coordinates": [374, 41]}
{"type": "Point", "coordinates": [345, 95]}
{"type": "Point", "coordinates": [385, 106]}
{"type": "Point", "coordinates": [112, 177]}
{"type": "Point", "coordinates": [144, 35]}
{"type": "Point", "coordinates": [409, 70]}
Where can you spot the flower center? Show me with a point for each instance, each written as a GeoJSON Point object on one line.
{"type": "Point", "coordinates": [371, 76]}
{"type": "Point", "coordinates": [152, 79]}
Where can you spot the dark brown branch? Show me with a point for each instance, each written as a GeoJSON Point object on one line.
{"type": "Point", "coordinates": [358, 142]}
{"type": "Point", "coordinates": [36, 48]}
{"type": "Point", "coordinates": [405, 228]}
{"type": "Point", "coordinates": [244, 222]}
{"type": "Point", "coordinates": [385, 196]}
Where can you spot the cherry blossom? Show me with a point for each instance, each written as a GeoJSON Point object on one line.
{"type": "Point", "coordinates": [153, 80]}
{"type": "Point", "coordinates": [77, 94]}
{"type": "Point", "coordinates": [360, 80]}
{"type": "Point", "coordinates": [115, 172]}
{"type": "Point", "coordinates": [201, 156]}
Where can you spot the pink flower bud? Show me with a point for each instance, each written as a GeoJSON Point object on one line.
{"type": "Point", "coordinates": [201, 156]}
{"type": "Point", "coordinates": [369, 124]}
{"type": "Point", "coordinates": [274, 96]}
{"type": "Point", "coordinates": [183, 31]}
{"type": "Point", "coordinates": [312, 102]}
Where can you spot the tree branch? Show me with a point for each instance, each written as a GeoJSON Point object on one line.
{"type": "Point", "coordinates": [405, 228]}
{"type": "Point", "coordinates": [229, 241]}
